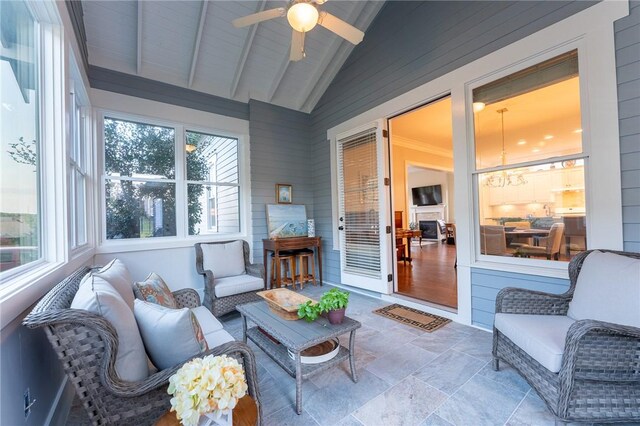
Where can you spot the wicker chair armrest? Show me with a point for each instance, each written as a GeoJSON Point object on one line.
{"type": "Point", "coordinates": [513, 300]}
{"type": "Point", "coordinates": [187, 298]}
{"type": "Point", "coordinates": [598, 350]}
{"type": "Point", "coordinates": [255, 269]}
{"type": "Point", "coordinates": [161, 378]}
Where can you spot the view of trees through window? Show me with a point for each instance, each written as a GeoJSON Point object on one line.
{"type": "Point", "coordinates": [141, 181]}
{"type": "Point", "coordinates": [19, 125]}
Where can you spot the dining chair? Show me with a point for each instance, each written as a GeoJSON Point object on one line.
{"type": "Point", "coordinates": [547, 246]}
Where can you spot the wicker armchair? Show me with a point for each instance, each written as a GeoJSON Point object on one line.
{"type": "Point", "coordinates": [599, 374]}
{"type": "Point", "coordinates": [220, 305]}
{"type": "Point", "coordinates": [87, 345]}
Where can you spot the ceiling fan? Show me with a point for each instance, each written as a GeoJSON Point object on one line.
{"type": "Point", "coordinates": [303, 15]}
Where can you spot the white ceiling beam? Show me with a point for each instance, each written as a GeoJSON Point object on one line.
{"type": "Point", "coordinates": [335, 62]}
{"type": "Point", "coordinates": [139, 51]}
{"type": "Point", "coordinates": [248, 42]}
{"type": "Point", "coordinates": [282, 70]}
{"type": "Point", "coordinates": [196, 46]}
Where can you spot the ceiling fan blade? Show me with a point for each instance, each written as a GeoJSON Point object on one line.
{"type": "Point", "coordinates": [258, 17]}
{"type": "Point", "coordinates": [341, 28]}
{"type": "Point", "coordinates": [297, 46]}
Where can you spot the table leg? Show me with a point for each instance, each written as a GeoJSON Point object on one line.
{"type": "Point", "coordinates": [277, 260]}
{"type": "Point", "coordinates": [244, 329]}
{"type": "Point", "coordinates": [298, 384]}
{"type": "Point", "coordinates": [319, 248]}
{"type": "Point", "coordinates": [409, 249]}
{"type": "Point", "coordinates": [352, 356]}
{"type": "Point", "coordinates": [266, 269]}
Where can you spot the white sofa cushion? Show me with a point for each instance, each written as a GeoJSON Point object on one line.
{"type": "Point", "coordinates": [171, 336]}
{"type": "Point", "coordinates": [608, 289]}
{"type": "Point", "coordinates": [96, 295]}
{"type": "Point", "coordinates": [207, 321]}
{"type": "Point", "coordinates": [541, 336]}
{"type": "Point", "coordinates": [224, 260]}
{"type": "Point", "coordinates": [117, 274]}
{"type": "Point", "coordinates": [217, 338]}
{"type": "Point", "coordinates": [235, 285]}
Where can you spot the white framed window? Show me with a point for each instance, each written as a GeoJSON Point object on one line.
{"type": "Point", "coordinates": [78, 152]}
{"type": "Point", "coordinates": [21, 206]}
{"type": "Point", "coordinates": [164, 179]}
{"type": "Point", "coordinates": [530, 162]}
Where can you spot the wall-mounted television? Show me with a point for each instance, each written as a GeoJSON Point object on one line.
{"type": "Point", "coordinates": [427, 195]}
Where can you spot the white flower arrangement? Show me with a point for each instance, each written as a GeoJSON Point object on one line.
{"type": "Point", "coordinates": [212, 384]}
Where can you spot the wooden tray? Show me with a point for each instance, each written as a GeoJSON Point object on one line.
{"type": "Point", "coordinates": [284, 302]}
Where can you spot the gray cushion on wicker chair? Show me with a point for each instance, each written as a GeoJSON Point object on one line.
{"type": "Point", "coordinates": [86, 345]}
{"type": "Point", "coordinates": [234, 290]}
{"type": "Point", "coordinates": [598, 375]}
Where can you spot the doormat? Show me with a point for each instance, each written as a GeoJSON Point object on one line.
{"type": "Point", "coordinates": [413, 317]}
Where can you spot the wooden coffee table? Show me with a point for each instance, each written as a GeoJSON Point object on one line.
{"type": "Point", "coordinates": [296, 336]}
{"type": "Point", "coordinates": [245, 413]}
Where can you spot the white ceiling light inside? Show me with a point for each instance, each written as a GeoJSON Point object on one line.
{"type": "Point", "coordinates": [303, 16]}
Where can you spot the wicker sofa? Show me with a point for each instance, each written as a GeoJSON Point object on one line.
{"type": "Point", "coordinates": [87, 344]}
{"type": "Point", "coordinates": [215, 299]}
{"type": "Point", "coordinates": [598, 377]}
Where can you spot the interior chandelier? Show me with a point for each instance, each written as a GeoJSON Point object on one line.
{"type": "Point", "coordinates": [504, 178]}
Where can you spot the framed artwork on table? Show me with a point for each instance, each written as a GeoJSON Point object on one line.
{"type": "Point", "coordinates": [283, 193]}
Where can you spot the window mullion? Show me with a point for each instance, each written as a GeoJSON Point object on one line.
{"type": "Point", "coordinates": [181, 185]}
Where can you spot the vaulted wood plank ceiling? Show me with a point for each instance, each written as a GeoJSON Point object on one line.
{"type": "Point", "coordinates": [192, 44]}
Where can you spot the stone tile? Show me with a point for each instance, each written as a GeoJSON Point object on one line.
{"type": "Point", "coordinates": [276, 395]}
{"type": "Point", "coordinates": [440, 340]}
{"type": "Point", "coordinates": [507, 376]}
{"type": "Point", "coordinates": [349, 421]}
{"type": "Point", "coordinates": [450, 370]}
{"type": "Point", "coordinates": [328, 377]}
{"type": "Point", "coordinates": [481, 400]}
{"type": "Point", "coordinates": [532, 411]}
{"type": "Point", "coordinates": [330, 404]}
{"type": "Point", "coordinates": [400, 362]}
{"type": "Point", "coordinates": [288, 417]}
{"type": "Point", "coordinates": [407, 403]}
{"type": "Point", "coordinates": [478, 344]}
{"type": "Point", "coordinates": [435, 420]}
{"type": "Point", "coordinates": [379, 342]}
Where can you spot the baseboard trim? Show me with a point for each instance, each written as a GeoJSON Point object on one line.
{"type": "Point", "coordinates": [59, 411]}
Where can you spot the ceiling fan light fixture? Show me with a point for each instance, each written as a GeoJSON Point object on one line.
{"type": "Point", "coordinates": [302, 17]}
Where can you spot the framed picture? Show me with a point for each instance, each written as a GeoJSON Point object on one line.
{"type": "Point", "coordinates": [286, 221]}
{"type": "Point", "coordinates": [283, 193]}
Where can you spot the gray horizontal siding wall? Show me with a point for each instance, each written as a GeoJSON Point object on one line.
{"type": "Point", "coordinates": [628, 71]}
{"type": "Point", "coordinates": [487, 283]}
{"type": "Point", "coordinates": [409, 44]}
{"type": "Point", "coordinates": [280, 153]}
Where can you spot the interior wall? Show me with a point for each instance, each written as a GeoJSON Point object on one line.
{"type": "Point", "coordinates": [402, 156]}
{"type": "Point", "coordinates": [280, 153]}
{"type": "Point", "coordinates": [426, 177]}
{"type": "Point", "coordinates": [409, 44]}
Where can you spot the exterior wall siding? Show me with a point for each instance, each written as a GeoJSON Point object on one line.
{"type": "Point", "coordinates": [627, 32]}
{"type": "Point", "coordinates": [280, 153]}
{"type": "Point", "coordinates": [409, 44]}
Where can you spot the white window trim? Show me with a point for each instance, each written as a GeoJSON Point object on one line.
{"type": "Point", "coordinates": [182, 120]}
{"type": "Point", "coordinates": [594, 28]}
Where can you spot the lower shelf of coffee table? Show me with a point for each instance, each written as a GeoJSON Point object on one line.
{"type": "Point", "coordinates": [278, 352]}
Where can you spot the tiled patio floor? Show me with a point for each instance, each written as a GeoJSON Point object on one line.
{"type": "Point", "coordinates": [406, 377]}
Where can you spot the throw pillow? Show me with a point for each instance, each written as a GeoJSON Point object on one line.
{"type": "Point", "coordinates": [224, 260]}
{"type": "Point", "coordinates": [608, 289]}
{"type": "Point", "coordinates": [96, 295]}
{"type": "Point", "coordinates": [171, 336]}
{"type": "Point", "coordinates": [117, 274]}
{"type": "Point", "coordinates": [153, 289]}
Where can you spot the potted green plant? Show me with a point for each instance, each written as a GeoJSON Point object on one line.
{"type": "Point", "coordinates": [334, 303]}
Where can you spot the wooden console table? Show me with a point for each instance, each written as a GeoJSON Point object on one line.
{"type": "Point", "coordinates": [408, 234]}
{"type": "Point", "coordinates": [282, 244]}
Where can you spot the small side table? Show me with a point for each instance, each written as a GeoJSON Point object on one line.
{"type": "Point", "coordinates": [244, 414]}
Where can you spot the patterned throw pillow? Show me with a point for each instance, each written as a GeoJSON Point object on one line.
{"type": "Point", "coordinates": [153, 289]}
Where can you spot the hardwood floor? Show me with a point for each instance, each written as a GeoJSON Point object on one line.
{"type": "Point", "coordinates": [431, 276]}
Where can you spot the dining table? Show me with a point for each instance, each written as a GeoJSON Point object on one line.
{"type": "Point", "coordinates": [519, 233]}
{"type": "Point", "coordinates": [408, 234]}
